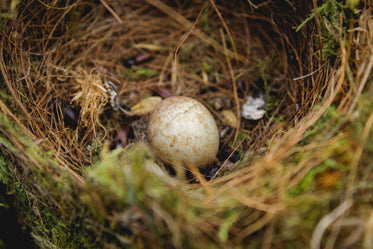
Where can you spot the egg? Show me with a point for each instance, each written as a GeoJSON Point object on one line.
{"type": "Point", "coordinates": [182, 132]}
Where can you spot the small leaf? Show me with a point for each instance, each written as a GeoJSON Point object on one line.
{"type": "Point", "coordinates": [146, 106]}
{"type": "Point", "coordinates": [163, 92]}
{"type": "Point", "coordinates": [229, 117]}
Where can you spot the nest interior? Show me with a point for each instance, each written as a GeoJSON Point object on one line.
{"type": "Point", "coordinates": [82, 172]}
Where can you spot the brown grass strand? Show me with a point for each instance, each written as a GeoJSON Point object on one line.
{"type": "Point", "coordinates": [317, 17]}
{"type": "Point", "coordinates": [187, 25]}
{"type": "Point", "coordinates": [111, 11]}
{"type": "Point", "coordinates": [234, 85]}
{"type": "Point", "coordinates": [225, 27]}
{"type": "Point", "coordinates": [359, 151]}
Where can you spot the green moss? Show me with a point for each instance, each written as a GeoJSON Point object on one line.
{"type": "Point", "coordinates": [204, 20]}
{"type": "Point", "coordinates": [332, 30]}
{"type": "Point", "coordinates": [265, 69]}
{"type": "Point", "coordinates": [10, 11]}
{"type": "Point", "coordinates": [309, 180]}
{"type": "Point", "coordinates": [44, 187]}
{"type": "Point", "coordinates": [308, 203]}
{"type": "Point", "coordinates": [334, 155]}
{"type": "Point", "coordinates": [229, 219]}
{"type": "Point", "coordinates": [329, 123]}
{"type": "Point", "coordinates": [352, 4]}
{"type": "Point", "coordinates": [209, 67]}
{"type": "Point", "coordinates": [137, 72]}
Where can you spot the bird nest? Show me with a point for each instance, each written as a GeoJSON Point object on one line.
{"type": "Point", "coordinates": [288, 84]}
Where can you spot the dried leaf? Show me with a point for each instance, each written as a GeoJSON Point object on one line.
{"type": "Point", "coordinates": [137, 59]}
{"type": "Point", "coordinates": [328, 179]}
{"type": "Point", "coordinates": [146, 106]}
{"type": "Point", "coordinates": [163, 92]}
{"type": "Point", "coordinates": [121, 137]}
{"type": "Point", "coordinates": [148, 46]}
{"type": "Point", "coordinates": [229, 117]}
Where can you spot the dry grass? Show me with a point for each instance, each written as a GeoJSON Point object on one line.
{"type": "Point", "coordinates": [303, 166]}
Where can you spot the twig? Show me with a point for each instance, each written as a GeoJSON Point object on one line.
{"type": "Point", "coordinates": [28, 68]}
{"type": "Point", "coordinates": [326, 221]}
{"type": "Point", "coordinates": [197, 32]}
{"type": "Point", "coordinates": [201, 179]}
{"type": "Point", "coordinates": [234, 87]}
{"type": "Point", "coordinates": [368, 239]}
{"type": "Point", "coordinates": [317, 16]}
{"type": "Point", "coordinates": [308, 75]}
{"type": "Point", "coordinates": [189, 32]}
{"type": "Point", "coordinates": [183, 39]}
{"type": "Point", "coordinates": [225, 26]}
{"type": "Point", "coordinates": [368, 71]}
{"type": "Point", "coordinates": [112, 11]}
{"type": "Point", "coordinates": [252, 5]}
{"type": "Point", "coordinates": [358, 153]}
{"type": "Point", "coordinates": [226, 160]}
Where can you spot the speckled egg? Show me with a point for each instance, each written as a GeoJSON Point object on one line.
{"type": "Point", "coordinates": [183, 132]}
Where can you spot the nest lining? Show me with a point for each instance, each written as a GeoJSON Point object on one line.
{"type": "Point", "coordinates": [189, 52]}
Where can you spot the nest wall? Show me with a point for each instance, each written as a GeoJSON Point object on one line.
{"type": "Point", "coordinates": [306, 159]}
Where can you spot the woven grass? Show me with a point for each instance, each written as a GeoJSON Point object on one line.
{"type": "Point", "coordinates": [300, 177]}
